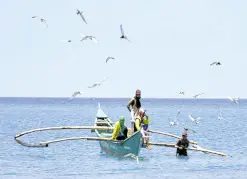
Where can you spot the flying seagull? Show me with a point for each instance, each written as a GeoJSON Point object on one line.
{"type": "Point", "coordinates": [195, 96]}
{"type": "Point", "coordinates": [182, 92]}
{"type": "Point", "coordinates": [175, 122]}
{"type": "Point", "coordinates": [215, 63]}
{"type": "Point", "coordinates": [122, 33]}
{"type": "Point", "coordinates": [196, 120]}
{"type": "Point", "coordinates": [234, 100]}
{"type": "Point", "coordinates": [78, 12]}
{"type": "Point", "coordinates": [42, 20]}
{"type": "Point", "coordinates": [76, 93]}
{"type": "Point", "coordinates": [109, 58]}
{"type": "Point", "coordinates": [88, 38]}
{"type": "Point", "coordinates": [98, 83]}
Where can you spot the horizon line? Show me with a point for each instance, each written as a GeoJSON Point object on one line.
{"type": "Point", "coordinates": [86, 97]}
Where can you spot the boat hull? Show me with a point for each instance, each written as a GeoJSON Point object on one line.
{"type": "Point", "coordinates": [130, 146]}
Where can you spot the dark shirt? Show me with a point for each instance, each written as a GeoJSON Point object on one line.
{"type": "Point", "coordinates": [135, 103]}
{"type": "Point", "coordinates": [182, 143]}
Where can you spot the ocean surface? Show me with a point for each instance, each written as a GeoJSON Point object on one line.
{"type": "Point", "coordinates": [84, 159]}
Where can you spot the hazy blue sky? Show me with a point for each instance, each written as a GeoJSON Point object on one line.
{"type": "Point", "coordinates": [173, 44]}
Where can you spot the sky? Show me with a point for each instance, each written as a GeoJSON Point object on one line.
{"type": "Point", "coordinates": [172, 46]}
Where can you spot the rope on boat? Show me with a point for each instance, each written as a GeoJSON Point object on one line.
{"type": "Point", "coordinates": [171, 135]}
{"type": "Point", "coordinates": [196, 148]}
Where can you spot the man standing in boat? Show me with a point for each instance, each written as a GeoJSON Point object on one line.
{"type": "Point", "coordinates": [182, 145]}
{"type": "Point", "coordinates": [133, 106]}
{"type": "Point", "coordinates": [120, 130]}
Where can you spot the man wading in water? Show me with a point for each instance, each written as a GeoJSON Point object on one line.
{"type": "Point", "coordinates": [133, 106]}
{"type": "Point", "coordinates": [182, 145]}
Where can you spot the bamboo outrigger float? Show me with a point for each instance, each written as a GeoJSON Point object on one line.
{"type": "Point", "coordinates": [103, 128]}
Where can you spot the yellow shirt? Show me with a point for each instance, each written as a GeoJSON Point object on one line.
{"type": "Point", "coordinates": [116, 130]}
{"type": "Point", "coordinates": [146, 120]}
{"type": "Point", "coordinates": [138, 123]}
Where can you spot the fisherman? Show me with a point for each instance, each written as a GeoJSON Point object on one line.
{"type": "Point", "coordinates": [120, 130]}
{"type": "Point", "coordinates": [133, 106]}
{"type": "Point", "coordinates": [141, 124]}
{"type": "Point", "coordinates": [182, 145]}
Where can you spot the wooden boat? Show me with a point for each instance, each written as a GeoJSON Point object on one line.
{"type": "Point", "coordinates": [128, 147]}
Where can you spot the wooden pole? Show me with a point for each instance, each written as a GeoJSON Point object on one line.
{"type": "Point", "coordinates": [63, 127]}
{"type": "Point", "coordinates": [77, 138]}
{"type": "Point", "coordinates": [45, 144]}
{"type": "Point", "coordinates": [171, 135]}
{"type": "Point", "coordinates": [190, 148]}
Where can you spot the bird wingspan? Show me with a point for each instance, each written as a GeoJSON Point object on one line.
{"type": "Point", "coordinates": [127, 39]}
{"type": "Point", "coordinates": [122, 31]}
{"type": "Point", "coordinates": [93, 85]}
{"type": "Point", "coordinates": [191, 118]}
{"type": "Point", "coordinates": [199, 94]}
{"type": "Point", "coordinates": [83, 18]}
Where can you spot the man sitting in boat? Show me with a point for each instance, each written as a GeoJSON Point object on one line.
{"type": "Point", "coordinates": [120, 130]}
{"type": "Point", "coordinates": [133, 106]}
{"type": "Point", "coordinates": [182, 144]}
{"type": "Point", "coordinates": [141, 123]}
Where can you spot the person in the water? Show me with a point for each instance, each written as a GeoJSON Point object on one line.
{"type": "Point", "coordinates": [182, 145]}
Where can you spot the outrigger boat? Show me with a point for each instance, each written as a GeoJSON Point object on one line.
{"type": "Point", "coordinates": [103, 127]}
{"type": "Point", "coordinates": [128, 147]}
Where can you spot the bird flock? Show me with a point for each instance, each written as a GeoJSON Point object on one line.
{"type": "Point", "coordinates": [83, 39]}
{"type": "Point", "coordinates": [175, 120]}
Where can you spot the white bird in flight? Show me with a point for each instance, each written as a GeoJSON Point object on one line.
{"type": "Point", "coordinates": [88, 37]}
{"type": "Point", "coordinates": [98, 83]}
{"type": "Point", "coordinates": [195, 96]}
{"type": "Point", "coordinates": [78, 12]}
{"type": "Point", "coordinates": [76, 93]}
{"type": "Point", "coordinates": [122, 33]}
{"type": "Point", "coordinates": [175, 122]}
{"type": "Point", "coordinates": [215, 63]}
{"type": "Point", "coordinates": [196, 120]}
{"type": "Point", "coordinates": [234, 100]}
{"type": "Point", "coordinates": [42, 20]}
{"type": "Point", "coordinates": [182, 92]}
{"type": "Point", "coordinates": [109, 58]}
